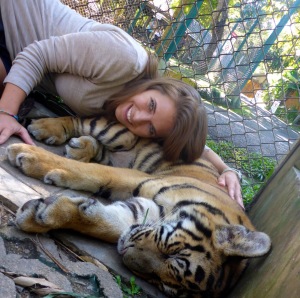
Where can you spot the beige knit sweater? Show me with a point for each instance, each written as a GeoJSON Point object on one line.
{"type": "Point", "coordinates": [55, 48]}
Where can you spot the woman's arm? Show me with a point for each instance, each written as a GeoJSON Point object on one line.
{"type": "Point", "coordinates": [94, 56]}
{"type": "Point", "coordinates": [97, 56]}
{"type": "Point", "coordinates": [228, 178]}
{"type": "Point", "coordinates": [10, 102]}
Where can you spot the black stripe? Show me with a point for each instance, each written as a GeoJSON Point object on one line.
{"type": "Point", "coordinates": [150, 168]}
{"type": "Point", "coordinates": [139, 234]}
{"type": "Point", "coordinates": [180, 186]}
{"type": "Point", "coordinates": [220, 280]}
{"type": "Point", "coordinates": [117, 135]}
{"type": "Point", "coordinates": [169, 234]}
{"type": "Point", "coordinates": [103, 192]}
{"type": "Point", "coordinates": [201, 228]}
{"type": "Point", "coordinates": [240, 221]}
{"type": "Point", "coordinates": [208, 207]}
{"type": "Point", "coordinates": [93, 124]}
{"type": "Point", "coordinates": [133, 209]}
{"type": "Point", "coordinates": [199, 274]}
{"type": "Point", "coordinates": [155, 165]}
{"type": "Point", "coordinates": [145, 159]}
{"type": "Point", "coordinates": [193, 286]}
{"type": "Point", "coordinates": [190, 233]}
{"type": "Point", "coordinates": [198, 248]}
{"type": "Point", "coordinates": [105, 130]}
{"type": "Point", "coordinates": [136, 191]}
{"type": "Point", "coordinates": [161, 211]}
{"type": "Point", "coordinates": [210, 282]}
{"type": "Point", "coordinates": [173, 244]}
{"type": "Point", "coordinates": [195, 163]}
{"type": "Point", "coordinates": [103, 153]}
{"type": "Point", "coordinates": [187, 271]}
{"type": "Point", "coordinates": [142, 209]}
{"type": "Point", "coordinates": [202, 165]}
{"type": "Point", "coordinates": [161, 231]}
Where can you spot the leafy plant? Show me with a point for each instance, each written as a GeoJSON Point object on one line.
{"type": "Point", "coordinates": [285, 87]}
{"type": "Point", "coordinates": [249, 190]}
{"type": "Point", "coordinates": [288, 115]}
{"type": "Point", "coordinates": [131, 289]}
{"type": "Point", "coordinates": [68, 295]}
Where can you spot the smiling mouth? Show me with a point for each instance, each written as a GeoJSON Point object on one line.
{"type": "Point", "coordinates": [128, 115]}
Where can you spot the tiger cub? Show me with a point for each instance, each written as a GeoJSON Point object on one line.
{"type": "Point", "coordinates": [175, 226]}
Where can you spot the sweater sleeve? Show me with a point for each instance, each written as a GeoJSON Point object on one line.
{"type": "Point", "coordinates": [102, 57]}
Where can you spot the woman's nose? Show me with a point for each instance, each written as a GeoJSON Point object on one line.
{"type": "Point", "coordinates": [141, 117]}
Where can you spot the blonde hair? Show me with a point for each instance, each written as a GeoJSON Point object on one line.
{"type": "Point", "coordinates": [187, 139]}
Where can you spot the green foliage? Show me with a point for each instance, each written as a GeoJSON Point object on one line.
{"type": "Point", "coordinates": [287, 115]}
{"type": "Point", "coordinates": [131, 289]}
{"type": "Point", "coordinates": [273, 60]}
{"type": "Point", "coordinates": [256, 168]}
{"type": "Point", "coordinates": [205, 13]}
{"type": "Point", "coordinates": [244, 111]}
{"type": "Point", "coordinates": [68, 295]}
{"type": "Point", "coordinates": [287, 86]}
{"type": "Point", "coordinates": [249, 190]}
{"type": "Point", "coordinates": [212, 94]}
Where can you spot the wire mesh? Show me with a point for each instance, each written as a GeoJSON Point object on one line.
{"type": "Point", "coordinates": [242, 56]}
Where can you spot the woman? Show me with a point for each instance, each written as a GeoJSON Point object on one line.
{"type": "Point", "coordinates": [95, 67]}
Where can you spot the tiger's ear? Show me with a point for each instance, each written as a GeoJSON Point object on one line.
{"type": "Point", "coordinates": [236, 240]}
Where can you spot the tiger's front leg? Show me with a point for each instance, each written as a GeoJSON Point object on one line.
{"type": "Point", "coordinates": [85, 149]}
{"type": "Point", "coordinates": [53, 131]}
{"type": "Point", "coordinates": [84, 215]}
{"type": "Point", "coordinates": [38, 163]}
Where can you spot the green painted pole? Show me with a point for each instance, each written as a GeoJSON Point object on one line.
{"type": "Point", "coordinates": [134, 21]}
{"type": "Point", "coordinates": [233, 59]}
{"type": "Point", "coordinates": [269, 42]}
{"type": "Point", "coordinates": [179, 28]}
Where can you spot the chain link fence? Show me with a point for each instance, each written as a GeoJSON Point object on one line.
{"type": "Point", "coordinates": [243, 58]}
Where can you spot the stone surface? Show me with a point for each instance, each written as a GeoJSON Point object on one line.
{"type": "Point", "coordinates": [28, 255]}
{"type": "Point", "coordinates": [7, 287]}
{"type": "Point", "coordinates": [15, 190]}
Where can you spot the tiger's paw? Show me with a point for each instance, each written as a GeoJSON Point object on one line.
{"type": "Point", "coordinates": [35, 161]}
{"type": "Point", "coordinates": [25, 157]}
{"type": "Point", "coordinates": [42, 215]}
{"type": "Point", "coordinates": [91, 209]}
{"type": "Point", "coordinates": [84, 148]}
{"type": "Point", "coordinates": [49, 130]}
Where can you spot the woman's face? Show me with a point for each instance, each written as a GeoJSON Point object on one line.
{"type": "Point", "coordinates": [149, 114]}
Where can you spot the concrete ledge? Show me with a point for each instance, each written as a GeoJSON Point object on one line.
{"type": "Point", "coordinates": [276, 212]}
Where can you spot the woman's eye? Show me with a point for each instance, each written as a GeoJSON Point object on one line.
{"type": "Point", "coordinates": [152, 105]}
{"type": "Point", "coordinates": [152, 130]}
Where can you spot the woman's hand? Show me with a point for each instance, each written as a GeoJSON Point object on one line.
{"type": "Point", "coordinates": [10, 126]}
{"type": "Point", "coordinates": [230, 180]}
{"type": "Point", "coordinates": [10, 103]}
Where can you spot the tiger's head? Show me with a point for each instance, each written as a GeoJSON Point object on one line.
{"type": "Point", "coordinates": [190, 254]}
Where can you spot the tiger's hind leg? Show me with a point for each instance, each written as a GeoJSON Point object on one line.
{"type": "Point", "coordinates": [85, 215]}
